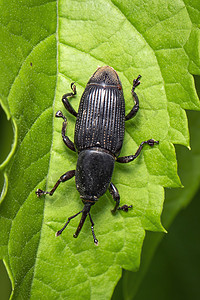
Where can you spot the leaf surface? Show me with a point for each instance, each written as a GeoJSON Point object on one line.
{"type": "Point", "coordinates": [46, 46]}
{"type": "Point", "coordinates": [175, 201]}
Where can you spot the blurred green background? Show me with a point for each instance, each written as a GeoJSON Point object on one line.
{"type": "Point", "coordinates": [6, 138]}
{"type": "Point", "coordinates": [174, 272]}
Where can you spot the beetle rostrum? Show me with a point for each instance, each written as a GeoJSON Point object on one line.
{"type": "Point", "coordinates": [99, 134]}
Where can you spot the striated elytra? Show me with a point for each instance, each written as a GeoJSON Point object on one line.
{"type": "Point", "coordinates": [99, 134]}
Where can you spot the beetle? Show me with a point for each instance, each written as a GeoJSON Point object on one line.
{"type": "Point", "coordinates": [98, 139]}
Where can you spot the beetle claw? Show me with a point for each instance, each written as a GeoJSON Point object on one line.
{"type": "Point", "coordinates": [39, 192]}
{"type": "Point", "coordinates": [125, 207]}
{"type": "Point", "coordinates": [73, 87]}
{"type": "Point", "coordinates": [59, 114]}
{"type": "Point", "coordinates": [136, 81]}
{"type": "Point", "coordinates": [152, 142]}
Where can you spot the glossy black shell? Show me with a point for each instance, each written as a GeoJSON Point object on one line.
{"type": "Point", "coordinates": [101, 114]}
{"type": "Point", "coordinates": [93, 173]}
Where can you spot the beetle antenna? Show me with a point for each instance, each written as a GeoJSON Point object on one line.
{"type": "Point", "coordinates": [69, 219]}
{"type": "Point", "coordinates": [92, 228]}
{"type": "Point", "coordinates": [85, 212]}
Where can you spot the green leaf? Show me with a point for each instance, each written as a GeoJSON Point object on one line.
{"type": "Point", "coordinates": [176, 200]}
{"type": "Point", "coordinates": [46, 46]}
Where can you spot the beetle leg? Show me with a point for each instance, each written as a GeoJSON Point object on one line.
{"type": "Point", "coordinates": [116, 197]}
{"type": "Point", "coordinates": [127, 159]}
{"type": "Point", "coordinates": [92, 228]}
{"type": "Point", "coordinates": [65, 100]}
{"type": "Point", "coordinates": [65, 138]}
{"type": "Point", "coordinates": [135, 108]}
{"type": "Point", "coordinates": [63, 178]}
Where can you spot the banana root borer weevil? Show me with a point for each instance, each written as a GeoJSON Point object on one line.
{"type": "Point", "coordinates": [99, 135]}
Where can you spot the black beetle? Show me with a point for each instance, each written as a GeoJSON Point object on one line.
{"type": "Point", "coordinates": [99, 135]}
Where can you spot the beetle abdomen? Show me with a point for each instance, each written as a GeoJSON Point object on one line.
{"type": "Point", "coordinates": [100, 120]}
